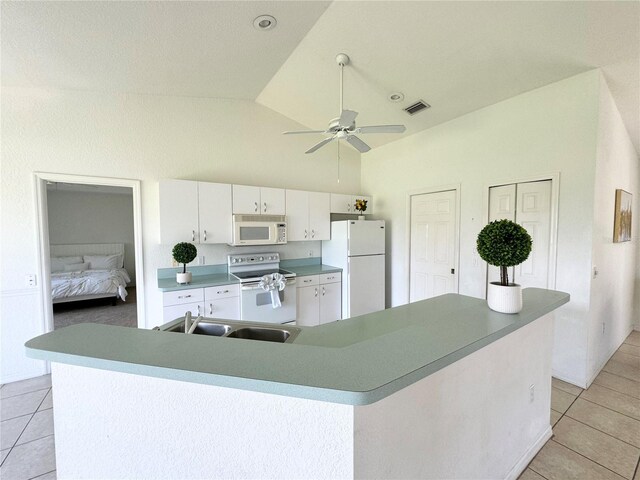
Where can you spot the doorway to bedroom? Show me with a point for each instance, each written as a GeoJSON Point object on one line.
{"type": "Point", "coordinates": [85, 227]}
{"type": "Point", "coordinates": [92, 254]}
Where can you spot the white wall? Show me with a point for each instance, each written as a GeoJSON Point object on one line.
{"type": "Point", "coordinates": [86, 217]}
{"type": "Point", "coordinates": [141, 137]}
{"type": "Point", "coordinates": [551, 129]}
{"type": "Point", "coordinates": [612, 291]}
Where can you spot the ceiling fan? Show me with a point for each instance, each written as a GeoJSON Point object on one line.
{"type": "Point", "coordinates": [344, 127]}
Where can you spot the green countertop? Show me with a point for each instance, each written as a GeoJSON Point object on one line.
{"type": "Point", "coordinates": [356, 361]}
{"type": "Point", "coordinates": [304, 270]}
{"type": "Point", "coordinates": [198, 281]}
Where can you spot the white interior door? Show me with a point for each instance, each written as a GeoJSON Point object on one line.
{"type": "Point", "coordinates": [433, 245]}
{"type": "Point", "coordinates": [534, 214]}
{"type": "Point", "coordinates": [528, 204]}
{"type": "Point", "coordinates": [502, 206]}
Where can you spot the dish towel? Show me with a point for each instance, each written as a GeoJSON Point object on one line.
{"type": "Point", "coordinates": [273, 283]}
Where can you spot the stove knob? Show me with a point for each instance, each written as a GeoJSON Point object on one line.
{"type": "Point", "coordinates": [261, 259]}
{"type": "Point", "coordinates": [239, 260]}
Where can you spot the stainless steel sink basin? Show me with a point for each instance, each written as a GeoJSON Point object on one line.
{"type": "Point", "coordinates": [245, 330]}
{"type": "Point", "coordinates": [260, 333]}
{"type": "Point", "coordinates": [214, 329]}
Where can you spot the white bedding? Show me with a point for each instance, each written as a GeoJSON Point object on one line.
{"type": "Point", "coordinates": [89, 282]}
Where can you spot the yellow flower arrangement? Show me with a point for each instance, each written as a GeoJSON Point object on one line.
{"type": "Point", "coordinates": [361, 205]}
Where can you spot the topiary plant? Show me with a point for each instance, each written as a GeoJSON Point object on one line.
{"type": "Point", "coordinates": [184, 253]}
{"type": "Point", "coordinates": [504, 243]}
{"type": "Point", "coordinates": [361, 205]}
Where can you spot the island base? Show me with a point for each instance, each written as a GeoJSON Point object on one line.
{"type": "Point", "coordinates": [484, 416]}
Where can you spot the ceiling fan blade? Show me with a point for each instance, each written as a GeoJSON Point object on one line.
{"type": "Point", "coordinates": [321, 144]}
{"type": "Point", "coordinates": [381, 129]}
{"type": "Point", "coordinates": [303, 131]}
{"type": "Point", "coordinates": [359, 144]}
{"type": "Point", "coordinates": [347, 118]}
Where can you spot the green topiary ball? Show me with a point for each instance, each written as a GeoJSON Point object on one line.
{"type": "Point", "coordinates": [504, 243]}
{"type": "Point", "coordinates": [184, 252]}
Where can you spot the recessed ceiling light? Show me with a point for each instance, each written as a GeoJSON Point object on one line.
{"type": "Point", "coordinates": [265, 22]}
{"type": "Point", "coordinates": [396, 97]}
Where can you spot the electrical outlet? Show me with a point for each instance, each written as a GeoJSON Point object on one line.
{"type": "Point", "coordinates": [30, 280]}
{"type": "Point", "coordinates": [532, 393]}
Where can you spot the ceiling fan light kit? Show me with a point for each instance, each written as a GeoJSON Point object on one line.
{"type": "Point", "coordinates": [344, 127]}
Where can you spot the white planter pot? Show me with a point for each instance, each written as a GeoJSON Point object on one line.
{"type": "Point", "coordinates": [504, 299]}
{"type": "Point", "coordinates": [361, 217]}
{"type": "Point", "coordinates": [183, 277]}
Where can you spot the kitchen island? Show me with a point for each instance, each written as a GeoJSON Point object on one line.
{"type": "Point", "coordinates": [442, 388]}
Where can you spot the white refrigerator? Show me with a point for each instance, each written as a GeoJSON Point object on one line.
{"type": "Point", "coordinates": [357, 246]}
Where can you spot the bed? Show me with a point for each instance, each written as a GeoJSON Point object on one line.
{"type": "Point", "coordinates": [88, 271]}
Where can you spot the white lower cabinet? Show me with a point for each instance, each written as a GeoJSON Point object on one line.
{"type": "Point", "coordinates": [319, 299]}
{"type": "Point", "coordinates": [222, 302]}
{"type": "Point", "coordinates": [217, 302]}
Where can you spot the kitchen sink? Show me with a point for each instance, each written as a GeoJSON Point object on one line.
{"type": "Point", "coordinates": [243, 330]}
{"type": "Point", "coordinates": [260, 333]}
{"type": "Point", "coordinates": [213, 329]}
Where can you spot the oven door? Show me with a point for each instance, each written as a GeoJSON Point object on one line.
{"type": "Point", "coordinates": [256, 306]}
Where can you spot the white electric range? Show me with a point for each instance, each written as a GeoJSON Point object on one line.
{"type": "Point", "coordinates": [256, 303]}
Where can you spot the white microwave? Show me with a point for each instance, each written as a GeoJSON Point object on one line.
{"type": "Point", "coordinates": [259, 230]}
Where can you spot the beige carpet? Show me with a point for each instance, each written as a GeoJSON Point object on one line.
{"type": "Point", "coordinates": [97, 311]}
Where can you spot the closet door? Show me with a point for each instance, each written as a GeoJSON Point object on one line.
{"type": "Point", "coordinates": [534, 214]}
{"type": "Point", "coordinates": [502, 205]}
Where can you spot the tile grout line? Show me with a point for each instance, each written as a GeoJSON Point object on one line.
{"type": "Point", "coordinates": [591, 460]}
{"type": "Point", "coordinates": [608, 434]}
{"type": "Point", "coordinates": [46, 473]}
{"type": "Point", "coordinates": [25, 427]}
{"type": "Point", "coordinates": [24, 393]}
{"type": "Point", "coordinates": [611, 410]}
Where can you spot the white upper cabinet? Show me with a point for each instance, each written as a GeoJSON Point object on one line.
{"type": "Point", "coordinates": [308, 216]}
{"type": "Point", "coordinates": [342, 203]}
{"type": "Point", "coordinates": [297, 215]}
{"type": "Point", "coordinates": [272, 201]}
{"type": "Point", "coordinates": [319, 216]}
{"type": "Point", "coordinates": [196, 212]}
{"type": "Point", "coordinates": [251, 200]}
{"type": "Point", "coordinates": [178, 211]}
{"type": "Point", "coordinates": [214, 206]}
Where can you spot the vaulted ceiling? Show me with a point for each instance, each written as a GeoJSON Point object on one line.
{"type": "Point", "coordinates": [457, 56]}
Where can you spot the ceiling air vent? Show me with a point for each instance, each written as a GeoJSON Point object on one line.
{"type": "Point", "coordinates": [417, 107]}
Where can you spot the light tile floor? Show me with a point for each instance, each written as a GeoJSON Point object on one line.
{"type": "Point", "coordinates": [596, 431]}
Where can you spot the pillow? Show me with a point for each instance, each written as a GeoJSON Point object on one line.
{"type": "Point", "coordinates": [58, 263]}
{"type": "Point", "coordinates": [103, 262]}
{"type": "Point", "coordinates": [76, 267]}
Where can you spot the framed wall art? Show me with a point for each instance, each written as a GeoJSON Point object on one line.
{"type": "Point", "coordinates": [622, 217]}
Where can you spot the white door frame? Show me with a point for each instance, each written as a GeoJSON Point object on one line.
{"type": "Point", "coordinates": [456, 253]}
{"type": "Point", "coordinates": [44, 260]}
{"type": "Point", "coordinates": [553, 230]}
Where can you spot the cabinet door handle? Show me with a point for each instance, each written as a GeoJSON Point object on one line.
{"type": "Point", "coordinates": [205, 235]}
{"type": "Point", "coordinates": [316, 292]}
{"type": "Point", "coordinates": [193, 235]}
{"type": "Point", "coordinates": [265, 207]}
{"type": "Point", "coordinates": [323, 292]}
{"type": "Point", "coordinates": [184, 296]}
{"type": "Point", "coordinates": [222, 291]}
{"type": "Point", "coordinates": [305, 233]}
{"type": "Point", "coordinates": [211, 309]}
{"type": "Point", "coordinates": [313, 234]}
{"type": "Point", "coordinates": [307, 281]}
{"type": "Point", "coordinates": [348, 207]}
{"type": "Point", "coordinates": [256, 204]}
{"type": "Point", "coordinates": [330, 278]}
{"type": "Point", "coordinates": [198, 310]}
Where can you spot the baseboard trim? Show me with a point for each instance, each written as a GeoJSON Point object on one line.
{"type": "Point", "coordinates": [565, 378]}
{"type": "Point", "coordinates": [521, 465]}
